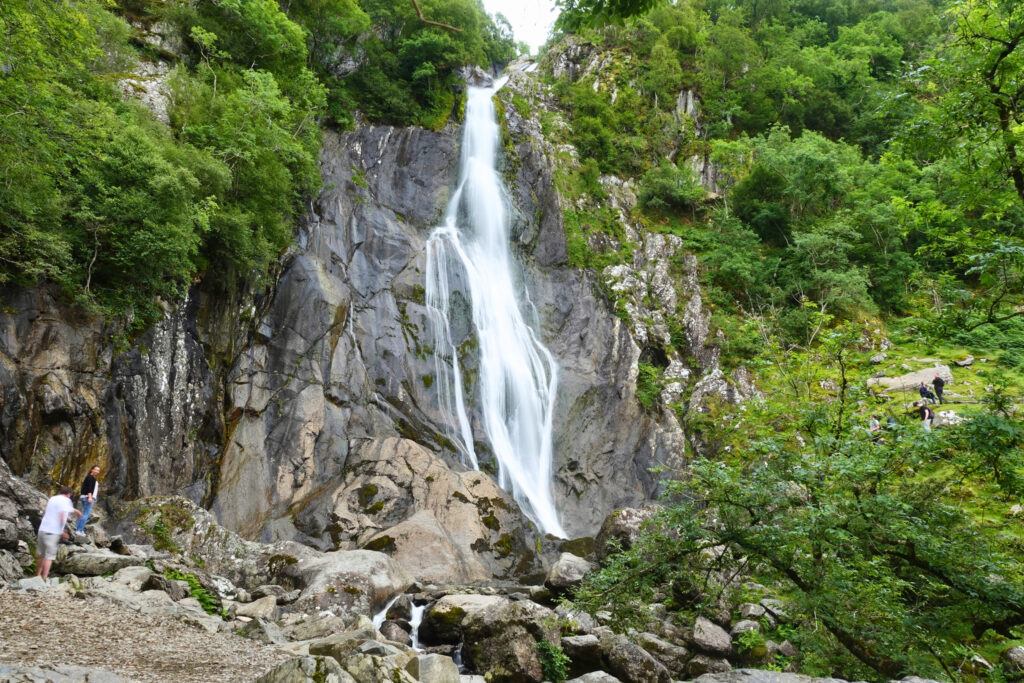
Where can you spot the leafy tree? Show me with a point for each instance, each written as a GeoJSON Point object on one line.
{"type": "Point", "coordinates": [886, 571]}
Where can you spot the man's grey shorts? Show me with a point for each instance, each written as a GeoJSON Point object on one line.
{"type": "Point", "coordinates": [46, 545]}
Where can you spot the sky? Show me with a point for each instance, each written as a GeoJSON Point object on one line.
{"type": "Point", "coordinates": [531, 19]}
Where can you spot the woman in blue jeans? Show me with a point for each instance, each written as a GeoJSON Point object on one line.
{"type": "Point", "coordinates": [90, 489]}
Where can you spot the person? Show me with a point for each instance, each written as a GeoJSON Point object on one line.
{"type": "Point", "coordinates": [925, 392]}
{"type": "Point", "coordinates": [873, 424]}
{"type": "Point", "coordinates": [90, 489]}
{"type": "Point", "coordinates": [51, 529]}
{"type": "Point", "coordinates": [927, 415]}
{"type": "Point", "coordinates": [939, 385]}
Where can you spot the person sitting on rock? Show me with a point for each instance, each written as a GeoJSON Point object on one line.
{"type": "Point", "coordinates": [926, 392]}
{"type": "Point", "coordinates": [51, 529]}
{"type": "Point", "coordinates": [939, 385]}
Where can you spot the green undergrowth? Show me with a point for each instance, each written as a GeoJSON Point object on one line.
{"type": "Point", "coordinates": [209, 603]}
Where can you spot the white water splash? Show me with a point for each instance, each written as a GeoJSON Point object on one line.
{"type": "Point", "coordinates": [517, 375]}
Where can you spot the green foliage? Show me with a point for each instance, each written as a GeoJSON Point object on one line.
{"type": "Point", "coordinates": [554, 661]}
{"type": "Point", "coordinates": [886, 570]}
{"type": "Point", "coordinates": [209, 603]}
{"type": "Point", "coordinates": [648, 385]}
{"type": "Point", "coordinates": [408, 69]}
{"type": "Point", "coordinates": [668, 188]}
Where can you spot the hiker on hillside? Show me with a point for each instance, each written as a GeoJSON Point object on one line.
{"type": "Point", "coordinates": [939, 385]}
{"type": "Point", "coordinates": [51, 529]}
{"type": "Point", "coordinates": [926, 392]}
{"type": "Point", "coordinates": [927, 415]}
{"type": "Point", "coordinates": [90, 489]}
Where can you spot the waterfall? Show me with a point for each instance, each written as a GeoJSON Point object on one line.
{"type": "Point", "coordinates": [517, 376]}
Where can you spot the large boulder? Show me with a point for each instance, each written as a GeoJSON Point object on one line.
{"type": "Point", "coordinates": [433, 669]}
{"type": "Point", "coordinates": [307, 670]}
{"type": "Point", "coordinates": [94, 562]}
{"type": "Point", "coordinates": [442, 623]}
{"type": "Point", "coordinates": [912, 380]}
{"type": "Point", "coordinates": [501, 640]}
{"type": "Point", "coordinates": [622, 526]}
{"type": "Point", "coordinates": [567, 572]}
{"type": "Point", "coordinates": [711, 638]}
{"type": "Point", "coordinates": [442, 525]}
{"type": "Point", "coordinates": [349, 582]}
{"type": "Point", "coordinates": [629, 662]}
{"type": "Point", "coordinates": [760, 676]}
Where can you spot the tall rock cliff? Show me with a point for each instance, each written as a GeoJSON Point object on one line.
{"type": "Point", "coordinates": [309, 411]}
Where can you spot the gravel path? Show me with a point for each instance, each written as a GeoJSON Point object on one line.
{"type": "Point", "coordinates": [52, 628]}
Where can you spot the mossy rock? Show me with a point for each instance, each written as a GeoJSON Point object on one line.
{"type": "Point", "coordinates": [383, 544]}
{"type": "Point", "coordinates": [580, 547]}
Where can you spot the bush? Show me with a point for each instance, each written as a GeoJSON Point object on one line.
{"type": "Point", "coordinates": [669, 188]}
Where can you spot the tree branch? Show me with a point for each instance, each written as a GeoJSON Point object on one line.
{"type": "Point", "coordinates": [419, 13]}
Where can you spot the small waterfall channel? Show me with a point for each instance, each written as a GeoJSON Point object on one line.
{"type": "Point", "coordinates": [517, 376]}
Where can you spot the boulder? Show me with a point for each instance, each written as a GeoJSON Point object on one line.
{"type": "Point", "coordinates": [584, 653]}
{"type": "Point", "coordinates": [760, 676]}
{"type": "Point", "coordinates": [440, 524]}
{"type": "Point", "coordinates": [743, 626]}
{"type": "Point", "coordinates": [134, 577]}
{"type": "Point", "coordinates": [433, 669]}
{"type": "Point", "coordinates": [964, 363]}
{"type": "Point", "coordinates": [372, 669]}
{"type": "Point", "coordinates": [912, 380]}
{"type": "Point", "coordinates": [575, 621]}
{"type": "Point", "coordinates": [176, 590]}
{"type": "Point", "coordinates": [501, 640]}
{"type": "Point", "coordinates": [442, 623]}
{"type": "Point", "coordinates": [314, 627]}
{"type": "Point", "coordinates": [623, 526]}
{"type": "Point", "coordinates": [263, 631]}
{"type": "Point", "coordinates": [307, 670]}
{"type": "Point", "coordinates": [349, 582]}
{"type": "Point", "coordinates": [341, 645]}
{"type": "Point", "coordinates": [94, 562]}
{"type": "Point", "coordinates": [672, 657]}
{"type": "Point", "coordinates": [710, 637]}
{"type": "Point", "coordinates": [749, 610]}
{"type": "Point", "coordinates": [264, 608]}
{"type": "Point", "coordinates": [704, 664]}
{"type": "Point", "coordinates": [629, 662]}
{"type": "Point", "coordinates": [8, 535]}
{"type": "Point", "coordinates": [567, 572]}
{"type": "Point", "coordinates": [1013, 659]}
{"type": "Point", "coordinates": [394, 631]}
{"type": "Point", "coordinates": [595, 677]}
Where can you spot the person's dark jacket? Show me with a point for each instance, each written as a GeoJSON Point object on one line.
{"type": "Point", "coordinates": [938, 383]}
{"type": "Point", "coordinates": [89, 485]}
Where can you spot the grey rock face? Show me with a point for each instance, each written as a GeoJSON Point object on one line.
{"type": "Point", "coordinates": [70, 401]}
{"type": "Point", "coordinates": [501, 640]}
{"type": "Point", "coordinates": [433, 669]}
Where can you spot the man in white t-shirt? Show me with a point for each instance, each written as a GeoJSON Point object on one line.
{"type": "Point", "coordinates": [51, 529]}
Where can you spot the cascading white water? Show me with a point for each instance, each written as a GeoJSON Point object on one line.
{"type": "Point", "coordinates": [517, 375]}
